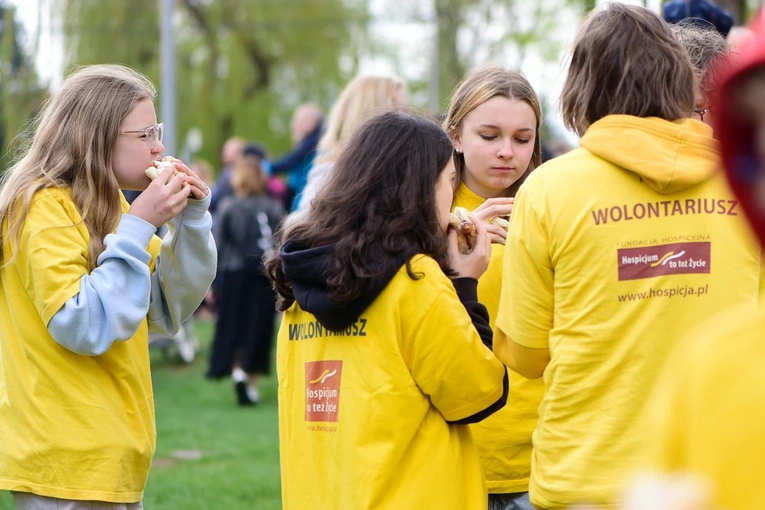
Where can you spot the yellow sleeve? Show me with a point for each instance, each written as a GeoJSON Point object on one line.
{"type": "Point", "coordinates": [449, 362]}
{"type": "Point", "coordinates": [525, 312]}
{"type": "Point", "coordinates": [52, 254]}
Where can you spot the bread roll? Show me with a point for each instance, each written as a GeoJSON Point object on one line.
{"type": "Point", "coordinates": [466, 233]}
{"type": "Point", "coordinates": [157, 167]}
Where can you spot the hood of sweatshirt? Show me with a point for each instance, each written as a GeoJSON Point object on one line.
{"type": "Point", "coordinates": [668, 156]}
{"type": "Point", "coordinates": [306, 269]}
{"type": "Point", "coordinates": [737, 138]}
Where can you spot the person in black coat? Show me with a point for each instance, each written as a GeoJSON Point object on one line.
{"type": "Point", "coordinates": [244, 234]}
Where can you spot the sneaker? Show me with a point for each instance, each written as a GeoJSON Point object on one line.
{"type": "Point", "coordinates": [241, 394]}
{"type": "Point", "coordinates": [253, 394]}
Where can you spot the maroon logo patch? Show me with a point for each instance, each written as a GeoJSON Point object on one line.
{"type": "Point", "coordinates": [322, 390]}
{"type": "Point", "coordinates": [652, 261]}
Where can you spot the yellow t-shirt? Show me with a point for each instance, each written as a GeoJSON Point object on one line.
{"type": "Point", "coordinates": [618, 262]}
{"type": "Point", "coordinates": [73, 427]}
{"type": "Point", "coordinates": [363, 414]}
{"type": "Point", "coordinates": [708, 410]}
{"type": "Point", "coordinates": [504, 438]}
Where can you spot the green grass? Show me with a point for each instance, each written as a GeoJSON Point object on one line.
{"type": "Point", "coordinates": [239, 466]}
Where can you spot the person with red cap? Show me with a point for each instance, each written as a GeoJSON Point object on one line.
{"type": "Point", "coordinates": [708, 413]}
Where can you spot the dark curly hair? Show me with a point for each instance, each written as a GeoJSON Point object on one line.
{"type": "Point", "coordinates": [378, 204]}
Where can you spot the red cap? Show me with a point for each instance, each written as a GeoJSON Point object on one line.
{"type": "Point", "coordinates": [736, 137]}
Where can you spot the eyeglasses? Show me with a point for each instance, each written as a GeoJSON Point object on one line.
{"type": "Point", "coordinates": [701, 113]}
{"type": "Point", "coordinates": [153, 134]}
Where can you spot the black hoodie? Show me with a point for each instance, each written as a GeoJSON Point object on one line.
{"type": "Point", "coordinates": [306, 271]}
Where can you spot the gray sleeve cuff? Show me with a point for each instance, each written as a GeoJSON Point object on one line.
{"type": "Point", "coordinates": [195, 210]}
{"type": "Point", "coordinates": [133, 227]}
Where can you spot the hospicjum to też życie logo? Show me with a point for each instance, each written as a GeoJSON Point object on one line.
{"type": "Point", "coordinates": [666, 258]}
{"type": "Point", "coordinates": [324, 376]}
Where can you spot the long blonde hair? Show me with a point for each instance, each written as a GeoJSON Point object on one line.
{"type": "Point", "coordinates": [479, 86]}
{"type": "Point", "coordinates": [72, 148]}
{"type": "Point", "coordinates": [362, 98]}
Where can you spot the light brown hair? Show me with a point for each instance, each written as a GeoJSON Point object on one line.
{"type": "Point", "coordinates": [479, 86]}
{"type": "Point", "coordinates": [72, 148]}
{"type": "Point", "coordinates": [626, 61]}
{"type": "Point", "coordinates": [248, 178]}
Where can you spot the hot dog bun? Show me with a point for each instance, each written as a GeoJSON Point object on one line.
{"type": "Point", "coordinates": [157, 166]}
{"type": "Point", "coordinates": [466, 233]}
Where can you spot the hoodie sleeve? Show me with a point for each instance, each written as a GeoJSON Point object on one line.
{"type": "Point", "coordinates": [186, 266]}
{"type": "Point", "coordinates": [96, 317]}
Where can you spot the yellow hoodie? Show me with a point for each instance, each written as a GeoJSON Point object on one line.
{"type": "Point", "coordinates": [615, 250]}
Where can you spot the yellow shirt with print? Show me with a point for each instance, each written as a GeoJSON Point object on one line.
{"type": "Point", "coordinates": [609, 269]}
{"type": "Point", "coordinates": [363, 413]}
{"type": "Point", "coordinates": [73, 427]}
{"type": "Point", "coordinates": [504, 438]}
{"type": "Point", "coordinates": [708, 410]}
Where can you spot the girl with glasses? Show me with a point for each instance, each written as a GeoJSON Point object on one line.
{"type": "Point", "coordinates": [83, 280]}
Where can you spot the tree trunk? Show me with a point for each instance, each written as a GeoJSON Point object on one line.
{"type": "Point", "coordinates": [451, 69]}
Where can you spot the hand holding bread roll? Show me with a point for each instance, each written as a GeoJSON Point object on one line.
{"type": "Point", "coordinates": [157, 166]}
{"type": "Point", "coordinates": [495, 212]}
{"type": "Point", "coordinates": [466, 233]}
{"type": "Point", "coordinates": [500, 222]}
{"type": "Point", "coordinates": [199, 189]}
{"type": "Point", "coordinates": [469, 245]}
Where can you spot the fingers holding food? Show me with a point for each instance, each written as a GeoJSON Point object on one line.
{"type": "Point", "coordinates": [460, 221]}
{"type": "Point", "coordinates": [497, 234]}
{"type": "Point", "coordinates": [474, 263]}
{"type": "Point", "coordinates": [157, 167]}
{"type": "Point", "coordinates": [197, 186]}
{"type": "Point", "coordinates": [500, 222]}
{"type": "Point", "coordinates": [161, 200]}
{"type": "Point", "coordinates": [493, 207]}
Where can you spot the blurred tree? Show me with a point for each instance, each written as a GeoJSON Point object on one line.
{"type": "Point", "coordinates": [452, 65]}
{"type": "Point", "coordinates": [243, 65]}
{"type": "Point", "coordinates": [471, 32]}
{"type": "Point", "coordinates": [737, 8]}
{"type": "Point", "coordinates": [20, 93]}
